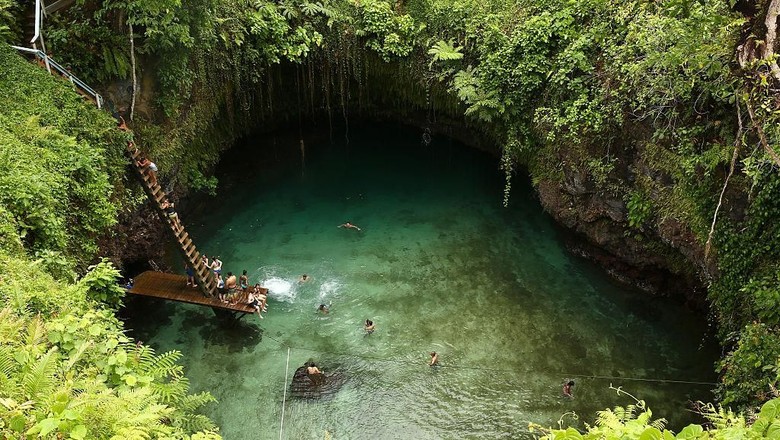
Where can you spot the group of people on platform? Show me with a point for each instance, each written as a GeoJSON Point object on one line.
{"type": "Point", "coordinates": [232, 290]}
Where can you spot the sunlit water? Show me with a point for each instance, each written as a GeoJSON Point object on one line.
{"type": "Point", "coordinates": [440, 266]}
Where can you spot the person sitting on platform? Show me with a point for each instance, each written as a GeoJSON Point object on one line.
{"type": "Point", "coordinates": [254, 302]}
{"type": "Point", "coordinates": [258, 292]}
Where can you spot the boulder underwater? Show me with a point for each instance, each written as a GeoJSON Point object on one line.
{"type": "Point", "coordinates": [315, 386]}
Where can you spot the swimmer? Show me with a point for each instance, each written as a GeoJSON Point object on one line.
{"type": "Point", "coordinates": [312, 369]}
{"type": "Point", "coordinates": [369, 327]}
{"type": "Point", "coordinates": [567, 389]}
{"type": "Point", "coordinates": [323, 309]}
{"type": "Point", "coordinates": [348, 225]}
{"type": "Point", "coordinates": [304, 278]}
{"type": "Point", "coordinates": [434, 359]}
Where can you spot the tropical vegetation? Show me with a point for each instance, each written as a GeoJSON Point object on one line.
{"type": "Point", "coordinates": [665, 108]}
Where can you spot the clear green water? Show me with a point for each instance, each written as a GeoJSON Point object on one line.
{"type": "Point", "coordinates": [439, 265]}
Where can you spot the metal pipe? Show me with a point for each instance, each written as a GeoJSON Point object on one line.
{"type": "Point", "coordinates": [37, 21]}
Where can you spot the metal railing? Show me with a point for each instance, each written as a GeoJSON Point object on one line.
{"type": "Point", "coordinates": [62, 71]}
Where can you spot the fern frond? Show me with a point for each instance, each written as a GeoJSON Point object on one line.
{"type": "Point", "coordinates": [35, 334]}
{"type": "Point", "coordinates": [39, 380]}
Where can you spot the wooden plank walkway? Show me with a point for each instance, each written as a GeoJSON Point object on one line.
{"type": "Point", "coordinates": [174, 288]}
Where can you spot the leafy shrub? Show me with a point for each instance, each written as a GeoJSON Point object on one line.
{"type": "Point", "coordinates": [749, 372]}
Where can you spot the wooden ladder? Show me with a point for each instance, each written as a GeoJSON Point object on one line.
{"type": "Point", "coordinates": [203, 275]}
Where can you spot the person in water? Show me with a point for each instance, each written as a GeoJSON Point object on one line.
{"type": "Point", "coordinates": [434, 359]}
{"type": "Point", "coordinates": [567, 389]}
{"type": "Point", "coordinates": [323, 309]}
{"type": "Point", "coordinates": [311, 369]}
{"type": "Point", "coordinates": [348, 225]}
{"type": "Point", "coordinates": [304, 278]}
{"type": "Point", "coordinates": [369, 327]}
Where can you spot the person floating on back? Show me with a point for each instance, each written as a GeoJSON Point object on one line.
{"type": "Point", "coordinates": [348, 225]}
{"type": "Point", "coordinates": [434, 359]}
{"type": "Point", "coordinates": [567, 389]}
{"type": "Point", "coordinates": [369, 327]}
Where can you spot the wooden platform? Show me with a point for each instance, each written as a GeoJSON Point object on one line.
{"type": "Point", "coordinates": [174, 288]}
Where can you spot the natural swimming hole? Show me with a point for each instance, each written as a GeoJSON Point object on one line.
{"type": "Point", "coordinates": [438, 265]}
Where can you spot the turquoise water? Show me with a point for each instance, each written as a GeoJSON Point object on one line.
{"type": "Point", "coordinates": [440, 266]}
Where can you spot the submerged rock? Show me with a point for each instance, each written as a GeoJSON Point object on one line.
{"type": "Point", "coordinates": [315, 386]}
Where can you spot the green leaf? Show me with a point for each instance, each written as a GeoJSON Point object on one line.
{"type": "Point", "coordinates": [47, 426]}
{"type": "Point", "coordinates": [651, 434]}
{"type": "Point", "coordinates": [79, 432]}
{"type": "Point", "coordinates": [690, 432]}
{"type": "Point", "coordinates": [18, 423]}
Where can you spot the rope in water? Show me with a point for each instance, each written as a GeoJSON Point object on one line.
{"type": "Point", "coordinates": [468, 367]}
{"type": "Point", "coordinates": [284, 399]}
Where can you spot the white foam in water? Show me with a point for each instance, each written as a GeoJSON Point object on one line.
{"type": "Point", "coordinates": [280, 289]}
{"type": "Point", "coordinates": [329, 288]}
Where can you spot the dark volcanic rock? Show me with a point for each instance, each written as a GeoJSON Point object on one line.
{"type": "Point", "coordinates": [316, 386]}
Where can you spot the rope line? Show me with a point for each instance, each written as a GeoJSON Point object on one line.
{"type": "Point", "coordinates": [500, 370]}
{"type": "Point", "coordinates": [284, 399]}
